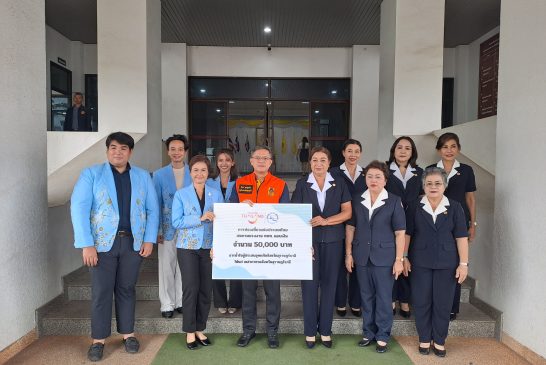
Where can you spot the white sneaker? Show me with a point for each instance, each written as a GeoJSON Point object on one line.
{"type": "Point", "coordinates": [222, 310]}
{"type": "Point", "coordinates": [232, 310]}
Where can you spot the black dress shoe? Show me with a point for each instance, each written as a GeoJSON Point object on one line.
{"type": "Point", "coordinates": [405, 314]}
{"type": "Point", "coordinates": [192, 345]}
{"type": "Point", "coordinates": [245, 338]}
{"type": "Point", "coordinates": [95, 352]}
{"type": "Point", "coordinates": [327, 344]}
{"type": "Point", "coordinates": [364, 342]}
{"type": "Point", "coordinates": [424, 350]}
{"type": "Point", "coordinates": [167, 314]}
{"type": "Point", "coordinates": [380, 349]}
{"type": "Point", "coordinates": [341, 312]}
{"type": "Point", "coordinates": [357, 313]}
{"type": "Point", "coordinates": [438, 352]}
{"type": "Point", "coordinates": [452, 316]}
{"type": "Point", "coordinates": [394, 311]}
{"type": "Point", "coordinates": [273, 341]}
{"type": "Point", "coordinates": [131, 345]}
{"type": "Point", "coordinates": [179, 310]}
{"type": "Point", "coordinates": [204, 342]}
{"type": "Point", "coordinates": [310, 344]}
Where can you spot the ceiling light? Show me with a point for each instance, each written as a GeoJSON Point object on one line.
{"type": "Point", "coordinates": [203, 91]}
{"type": "Point", "coordinates": [266, 84]}
{"type": "Point", "coordinates": [268, 103]}
{"type": "Point", "coordinates": [231, 102]}
{"type": "Point", "coordinates": [334, 92]}
{"type": "Point", "coordinates": [305, 102]}
{"type": "Point", "coordinates": [218, 110]}
{"type": "Point", "coordinates": [267, 30]}
{"type": "Point", "coordinates": [316, 111]}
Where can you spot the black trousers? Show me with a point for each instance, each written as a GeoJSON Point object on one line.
{"type": "Point", "coordinates": [344, 291]}
{"type": "Point", "coordinates": [456, 299]}
{"type": "Point", "coordinates": [432, 294]}
{"type": "Point", "coordinates": [196, 268]}
{"type": "Point", "coordinates": [115, 275]}
{"type": "Point", "coordinates": [401, 289]}
{"type": "Point", "coordinates": [272, 302]}
{"type": "Point", "coordinates": [376, 291]}
{"type": "Point", "coordinates": [220, 294]}
{"type": "Point", "coordinates": [325, 270]}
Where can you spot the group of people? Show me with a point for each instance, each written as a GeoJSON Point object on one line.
{"type": "Point", "coordinates": [386, 233]}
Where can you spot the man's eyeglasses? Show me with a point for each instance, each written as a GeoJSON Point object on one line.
{"type": "Point", "coordinates": [261, 158]}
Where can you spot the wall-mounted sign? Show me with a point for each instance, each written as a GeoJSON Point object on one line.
{"type": "Point", "coordinates": [61, 61]}
{"type": "Point", "coordinates": [489, 77]}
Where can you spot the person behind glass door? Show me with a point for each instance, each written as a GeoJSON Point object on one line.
{"type": "Point", "coordinates": [461, 185]}
{"type": "Point", "coordinates": [192, 216]}
{"type": "Point", "coordinates": [374, 245]}
{"type": "Point", "coordinates": [224, 180]}
{"type": "Point", "coordinates": [115, 215]}
{"type": "Point", "coordinates": [436, 237]}
{"type": "Point", "coordinates": [77, 117]}
{"type": "Point", "coordinates": [331, 202]}
{"type": "Point", "coordinates": [303, 155]}
{"type": "Point", "coordinates": [167, 181]}
{"type": "Point", "coordinates": [405, 182]}
{"type": "Point", "coordinates": [260, 186]}
{"type": "Point", "coordinates": [351, 172]}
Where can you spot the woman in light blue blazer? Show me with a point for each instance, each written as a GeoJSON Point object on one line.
{"type": "Point", "coordinates": [223, 180]}
{"type": "Point", "coordinates": [192, 215]}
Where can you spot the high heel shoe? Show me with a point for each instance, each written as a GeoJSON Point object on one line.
{"type": "Point", "coordinates": [341, 312]}
{"type": "Point", "coordinates": [438, 352]}
{"type": "Point", "coordinates": [424, 350]}
{"type": "Point", "coordinates": [192, 345]}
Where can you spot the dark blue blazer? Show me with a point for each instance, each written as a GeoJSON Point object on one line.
{"type": "Point", "coordinates": [336, 195]}
{"type": "Point", "coordinates": [84, 121]}
{"type": "Point", "coordinates": [413, 189]}
{"type": "Point", "coordinates": [461, 183]}
{"type": "Point", "coordinates": [434, 245]}
{"type": "Point", "coordinates": [374, 239]}
{"type": "Point", "coordinates": [359, 185]}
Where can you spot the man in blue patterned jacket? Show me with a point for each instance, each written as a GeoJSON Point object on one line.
{"type": "Point", "coordinates": [115, 216]}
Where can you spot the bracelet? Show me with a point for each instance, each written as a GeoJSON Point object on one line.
{"type": "Point", "coordinates": [463, 264]}
{"type": "Point", "coordinates": [347, 255]}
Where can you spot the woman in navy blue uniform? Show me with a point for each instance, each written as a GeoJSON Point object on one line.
{"type": "Point", "coordinates": [374, 245]}
{"type": "Point", "coordinates": [351, 172]}
{"type": "Point", "coordinates": [461, 185]}
{"type": "Point", "coordinates": [331, 203]}
{"type": "Point", "coordinates": [436, 236]}
{"type": "Point", "coordinates": [404, 181]}
{"type": "Point", "coordinates": [224, 180]}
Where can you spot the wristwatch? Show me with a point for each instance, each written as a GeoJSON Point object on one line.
{"type": "Point", "coordinates": [463, 264]}
{"type": "Point", "coordinates": [401, 259]}
{"type": "Point", "coordinates": [475, 224]}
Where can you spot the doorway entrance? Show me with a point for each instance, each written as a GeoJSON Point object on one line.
{"type": "Point", "coordinates": [267, 117]}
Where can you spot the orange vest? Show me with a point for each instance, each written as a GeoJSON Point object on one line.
{"type": "Point", "coordinates": [270, 190]}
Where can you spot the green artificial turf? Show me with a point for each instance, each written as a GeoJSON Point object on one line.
{"type": "Point", "coordinates": [224, 351]}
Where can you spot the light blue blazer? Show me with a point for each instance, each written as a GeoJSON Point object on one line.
{"type": "Point", "coordinates": [95, 212]}
{"type": "Point", "coordinates": [192, 233]}
{"type": "Point", "coordinates": [217, 184]}
{"type": "Point", "coordinates": [165, 186]}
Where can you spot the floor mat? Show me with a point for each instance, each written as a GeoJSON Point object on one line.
{"type": "Point", "coordinates": [224, 351]}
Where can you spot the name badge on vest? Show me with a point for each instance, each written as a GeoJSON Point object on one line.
{"type": "Point", "coordinates": [245, 189]}
{"type": "Point", "coordinates": [271, 192]}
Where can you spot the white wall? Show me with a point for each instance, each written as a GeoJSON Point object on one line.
{"type": "Point", "coordinates": [174, 89]}
{"type": "Point", "coordinates": [24, 268]}
{"type": "Point", "coordinates": [279, 62]}
{"type": "Point", "coordinates": [518, 259]}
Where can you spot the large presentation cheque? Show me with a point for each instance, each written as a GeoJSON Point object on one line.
{"type": "Point", "coordinates": [265, 241]}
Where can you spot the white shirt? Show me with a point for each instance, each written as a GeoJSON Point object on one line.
{"type": "Point", "coordinates": [367, 202]}
{"type": "Point", "coordinates": [398, 173]}
{"type": "Point", "coordinates": [442, 207]}
{"type": "Point", "coordinates": [321, 195]}
{"type": "Point", "coordinates": [453, 171]}
{"type": "Point", "coordinates": [345, 170]}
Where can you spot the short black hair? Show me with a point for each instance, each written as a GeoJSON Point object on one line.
{"type": "Point", "coordinates": [379, 166]}
{"type": "Point", "coordinates": [446, 137]}
{"type": "Point", "coordinates": [177, 137]}
{"type": "Point", "coordinates": [351, 141]}
{"type": "Point", "coordinates": [78, 93]}
{"type": "Point", "coordinates": [121, 138]}
{"type": "Point", "coordinates": [413, 159]}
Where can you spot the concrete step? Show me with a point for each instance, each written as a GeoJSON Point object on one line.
{"type": "Point", "coordinates": [64, 317]}
{"type": "Point", "coordinates": [77, 286]}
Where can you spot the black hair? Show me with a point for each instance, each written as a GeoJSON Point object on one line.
{"type": "Point", "coordinates": [233, 174]}
{"type": "Point", "coordinates": [320, 149]}
{"type": "Point", "coordinates": [121, 138]}
{"type": "Point", "coordinates": [78, 93]}
{"type": "Point", "coordinates": [200, 158]}
{"type": "Point", "coordinates": [378, 165]}
{"type": "Point", "coordinates": [177, 137]}
{"type": "Point", "coordinates": [413, 159]}
{"type": "Point", "coordinates": [351, 141]}
{"type": "Point", "coordinates": [304, 140]}
{"type": "Point", "coordinates": [446, 137]}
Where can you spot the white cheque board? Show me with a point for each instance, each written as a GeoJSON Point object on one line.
{"type": "Point", "coordinates": [265, 241]}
